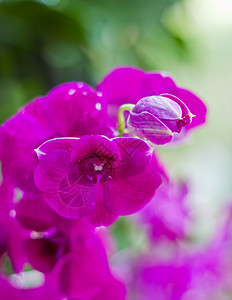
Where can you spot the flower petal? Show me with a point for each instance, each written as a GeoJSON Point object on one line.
{"type": "Point", "coordinates": [152, 281]}
{"type": "Point", "coordinates": [19, 136]}
{"type": "Point", "coordinates": [15, 250]}
{"type": "Point", "coordinates": [135, 154]}
{"type": "Point", "coordinates": [127, 196]}
{"type": "Point", "coordinates": [34, 213]}
{"type": "Point", "coordinates": [113, 290]}
{"type": "Point", "coordinates": [162, 107]}
{"type": "Point", "coordinates": [100, 216]}
{"type": "Point", "coordinates": [83, 272]}
{"type": "Point", "coordinates": [57, 143]}
{"type": "Point", "coordinates": [195, 105]}
{"type": "Point", "coordinates": [145, 125]}
{"type": "Point", "coordinates": [90, 145]}
{"type": "Point", "coordinates": [66, 191]}
{"type": "Point", "coordinates": [38, 257]}
{"type": "Point", "coordinates": [129, 85]}
{"type": "Point", "coordinates": [75, 109]}
{"type": "Point", "coordinates": [122, 85]}
{"type": "Point", "coordinates": [135, 181]}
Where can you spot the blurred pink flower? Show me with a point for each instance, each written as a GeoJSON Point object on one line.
{"type": "Point", "coordinates": [167, 215]}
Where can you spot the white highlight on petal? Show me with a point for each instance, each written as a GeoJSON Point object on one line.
{"type": "Point", "coordinates": [98, 106]}
{"type": "Point", "coordinates": [71, 92]}
{"type": "Point", "coordinates": [98, 167]}
{"type": "Point", "coordinates": [80, 85]}
{"type": "Point", "coordinates": [12, 213]}
{"type": "Point", "coordinates": [100, 228]}
{"type": "Point", "coordinates": [39, 153]}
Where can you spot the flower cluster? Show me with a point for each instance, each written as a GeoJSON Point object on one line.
{"type": "Point", "coordinates": [77, 159]}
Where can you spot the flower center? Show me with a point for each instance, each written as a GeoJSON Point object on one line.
{"type": "Point", "coordinates": [96, 169]}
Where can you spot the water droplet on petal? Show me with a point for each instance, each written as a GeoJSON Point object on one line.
{"type": "Point", "coordinates": [99, 94]}
{"type": "Point", "coordinates": [80, 85]}
{"type": "Point", "coordinates": [98, 106]}
{"type": "Point", "coordinates": [71, 92]}
{"type": "Point", "coordinates": [84, 93]}
{"type": "Point", "coordinates": [100, 228]}
{"type": "Point", "coordinates": [12, 213]}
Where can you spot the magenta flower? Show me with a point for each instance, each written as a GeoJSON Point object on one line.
{"type": "Point", "coordinates": [167, 281]}
{"type": "Point", "coordinates": [129, 85]}
{"type": "Point", "coordinates": [156, 118]}
{"type": "Point", "coordinates": [70, 109]}
{"type": "Point", "coordinates": [65, 172]}
{"type": "Point", "coordinates": [84, 272]}
{"type": "Point", "coordinates": [75, 109]}
{"type": "Point", "coordinates": [96, 177]}
{"type": "Point", "coordinates": [167, 215]}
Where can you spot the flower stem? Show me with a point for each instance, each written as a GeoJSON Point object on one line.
{"type": "Point", "coordinates": [121, 118]}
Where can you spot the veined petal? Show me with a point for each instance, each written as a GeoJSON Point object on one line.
{"type": "Point", "coordinates": [161, 107]}
{"type": "Point", "coordinates": [134, 156]}
{"type": "Point", "coordinates": [64, 143]}
{"type": "Point", "coordinates": [90, 145]}
{"type": "Point", "coordinates": [146, 125]}
{"type": "Point", "coordinates": [135, 181]}
{"type": "Point", "coordinates": [66, 190]}
{"type": "Point", "coordinates": [127, 196]}
{"type": "Point", "coordinates": [100, 216]}
{"type": "Point", "coordinates": [184, 107]}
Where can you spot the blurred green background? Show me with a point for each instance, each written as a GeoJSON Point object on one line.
{"type": "Point", "coordinates": [44, 43]}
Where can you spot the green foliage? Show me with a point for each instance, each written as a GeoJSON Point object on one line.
{"type": "Point", "coordinates": [44, 43]}
{"type": "Point", "coordinates": [129, 234]}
